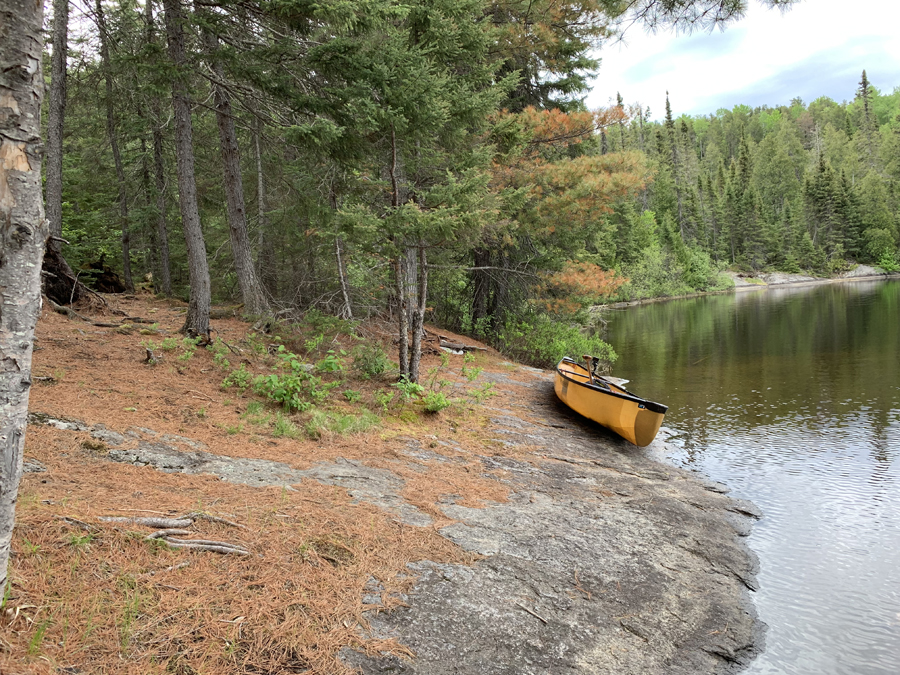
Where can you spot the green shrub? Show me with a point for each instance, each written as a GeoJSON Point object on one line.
{"type": "Point", "coordinates": [435, 401]}
{"type": "Point", "coordinates": [541, 341]}
{"type": "Point", "coordinates": [290, 390]}
{"type": "Point", "coordinates": [241, 378]}
{"type": "Point", "coordinates": [370, 360]}
{"type": "Point", "coordinates": [332, 363]}
{"type": "Point", "coordinates": [409, 390]}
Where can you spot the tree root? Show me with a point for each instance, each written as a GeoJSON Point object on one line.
{"type": "Point", "coordinates": [201, 515]}
{"type": "Point", "coordinates": [172, 527]}
{"type": "Point", "coordinates": [212, 547]}
{"type": "Point", "coordinates": [161, 523]}
{"type": "Point", "coordinates": [159, 534]}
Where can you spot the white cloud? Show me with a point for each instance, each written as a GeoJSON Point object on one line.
{"type": "Point", "coordinates": [818, 48]}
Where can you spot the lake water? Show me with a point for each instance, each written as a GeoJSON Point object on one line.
{"type": "Point", "coordinates": [791, 397]}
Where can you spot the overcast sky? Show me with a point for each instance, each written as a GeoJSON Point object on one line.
{"type": "Point", "coordinates": [818, 48]}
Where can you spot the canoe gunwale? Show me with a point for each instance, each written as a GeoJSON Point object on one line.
{"type": "Point", "coordinates": [628, 396]}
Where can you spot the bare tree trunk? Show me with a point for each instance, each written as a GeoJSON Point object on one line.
{"type": "Point", "coordinates": [196, 322]}
{"type": "Point", "coordinates": [268, 275]}
{"type": "Point", "coordinates": [23, 238]}
{"type": "Point", "coordinates": [56, 119]}
{"type": "Point", "coordinates": [402, 322]}
{"type": "Point", "coordinates": [418, 328]}
{"type": "Point", "coordinates": [162, 230]}
{"type": "Point", "coordinates": [399, 265]}
{"type": "Point", "coordinates": [114, 146]}
{"type": "Point", "coordinates": [347, 310]}
{"type": "Point", "coordinates": [252, 293]}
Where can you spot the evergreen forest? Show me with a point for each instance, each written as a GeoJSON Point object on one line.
{"type": "Point", "coordinates": [433, 161]}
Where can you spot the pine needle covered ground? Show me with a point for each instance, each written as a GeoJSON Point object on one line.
{"type": "Point", "coordinates": [89, 595]}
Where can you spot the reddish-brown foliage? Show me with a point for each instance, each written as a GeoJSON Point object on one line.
{"type": "Point", "coordinates": [578, 285]}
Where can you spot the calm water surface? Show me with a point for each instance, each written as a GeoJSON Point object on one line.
{"type": "Point", "coordinates": [792, 398]}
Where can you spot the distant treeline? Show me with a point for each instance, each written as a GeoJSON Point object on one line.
{"type": "Point", "coordinates": [794, 188]}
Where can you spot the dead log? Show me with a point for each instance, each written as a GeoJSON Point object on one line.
{"type": "Point", "coordinates": [459, 346]}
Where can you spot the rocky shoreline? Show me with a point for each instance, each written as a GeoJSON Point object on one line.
{"type": "Point", "coordinates": [771, 279]}
{"type": "Point", "coordinates": [602, 560]}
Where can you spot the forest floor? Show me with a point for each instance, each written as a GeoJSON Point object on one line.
{"type": "Point", "coordinates": [502, 534]}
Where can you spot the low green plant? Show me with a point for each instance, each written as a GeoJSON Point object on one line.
{"type": "Point", "coordinates": [240, 377]}
{"type": "Point", "coordinates": [384, 398]}
{"type": "Point", "coordinates": [295, 387]}
{"type": "Point", "coordinates": [37, 639]}
{"type": "Point", "coordinates": [471, 373]}
{"type": "Point", "coordinates": [80, 541]}
{"type": "Point", "coordinates": [284, 428]}
{"type": "Point", "coordinates": [30, 548]}
{"type": "Point", "coordinates": [256, 345]}
{"type": "Point", "coordinates": [220, 353]}
{"type": "Point", "coordinates": [314, 343]}
{"type": "Point", "coordinates": [431, 379]}
{"type": "Point", "coordinates": [370, 361]}
{"type": "Point", "coordinates": [409, 390]}
{"type": "Point", "coordinates": [332, 362]}
{"type": "Point", "coordinates": [482, 393]}
{"type": "Point", "coordinates": [255, 414]}
{"type": "Point", "coordinates": [190, 347]}
{"type": "Point", "coordinates": [168, 344]}
{"type": "Point", "coordinates": [435, 401]}
{"type": "Point", "coordinates": [322, 423]}
{"type": "Point", "coordinates": [352, 395]}
{"type": "Point", "coordinates": [290, 390]}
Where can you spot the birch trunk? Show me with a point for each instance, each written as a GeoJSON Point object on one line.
{"type": "Point", "coordinates": [56, 119]}
{"type": "Point", "coordinates": [255, 303]}
{"type": "Point", "coordinates": [23, 238]}
{"type": "Point", "coordinates": [197, 321]}
{"type": "Point", "coordinates": [114, 146]}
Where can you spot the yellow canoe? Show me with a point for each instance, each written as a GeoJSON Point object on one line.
{"type": "Point", "coordinates": [607, 403]}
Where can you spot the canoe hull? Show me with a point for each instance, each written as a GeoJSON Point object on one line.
{"type": "Point", "coordinates": [634, 419]}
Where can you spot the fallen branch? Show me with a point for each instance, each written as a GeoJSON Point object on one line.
{"type": "Point", "coordinates": [161, 523]}
{"type": "Point", "coordinates": [200, 515]}
{"type": "Point", "coordinates": [534, 614]}
{"type": "Point", "coordinates": [159, 534]}
{"type": "Point", "coordinates": [77, 523]}
{"type": "Point", "coordinates": [208, 547]}
{"type": "Point", "coordinates": [206, 542]}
